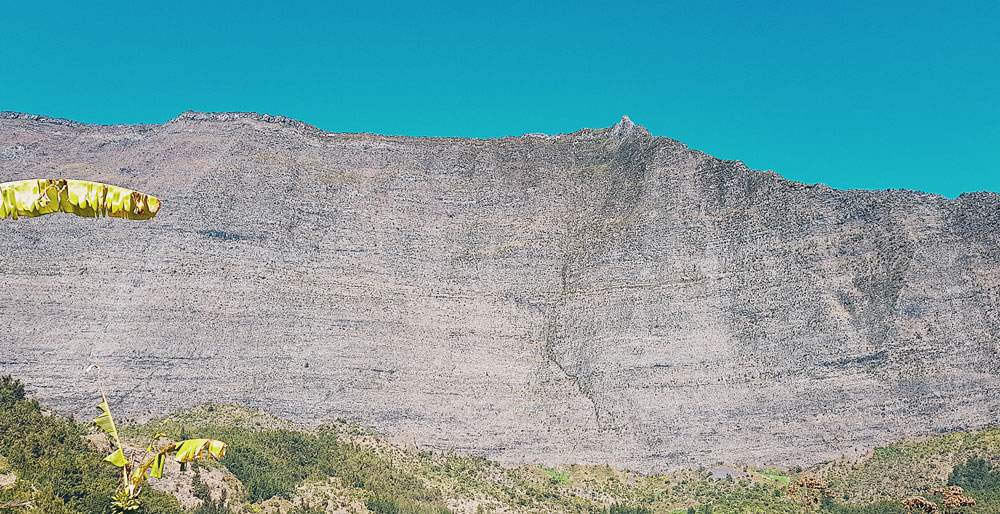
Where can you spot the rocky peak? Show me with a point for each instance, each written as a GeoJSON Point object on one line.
{"type": "Point", "coordinates": [235, 116]}
{"type": "Point", "coordinates": [625, 128]}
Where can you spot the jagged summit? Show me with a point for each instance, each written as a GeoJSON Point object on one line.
{"type": "Point", "coordinates": [255, 116]}
{"type": "Point", "coordinates": [625, 128]}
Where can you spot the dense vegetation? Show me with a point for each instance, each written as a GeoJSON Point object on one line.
{"type": "Point", "coordinates": [271, 463]}
{"type": "Point", "coordinates": [981, 480]}
{"type": "Point", "coordinates": [57, 471]}
{"type": "Point", "coordinates": [274, 466]}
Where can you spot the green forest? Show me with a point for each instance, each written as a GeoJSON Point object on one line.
{"type": "Point", "coordinates": [51, 463]}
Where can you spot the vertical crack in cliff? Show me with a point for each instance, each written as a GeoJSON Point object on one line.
{"type": "Point", "coordinates": [603, 224]}
{"type": "Point", "coordinates": [551, 335]}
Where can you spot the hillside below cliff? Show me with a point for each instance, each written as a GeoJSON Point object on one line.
{"type": "Point", "coordinates": [604, 296]}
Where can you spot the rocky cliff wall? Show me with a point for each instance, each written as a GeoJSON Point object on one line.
{"type": "Point", "coordinates": [604, 296]}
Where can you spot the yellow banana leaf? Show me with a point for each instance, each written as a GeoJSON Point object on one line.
{"type": "Point", "coordinates": [194, 449]}
{"type": "Point", "coordinates": [117, 458]}
{"type": "Point", "coordinates": [37, 197]}
{"type": "Point", "coordinates": [187, 451]}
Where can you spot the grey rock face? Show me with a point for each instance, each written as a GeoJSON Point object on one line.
{"type": "Point", "coordinates": [603, 296]}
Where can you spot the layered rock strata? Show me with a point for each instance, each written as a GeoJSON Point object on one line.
{"type": "Point", "coordinates": [603, 296]}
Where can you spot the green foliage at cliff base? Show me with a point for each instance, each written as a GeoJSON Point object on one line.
{"type": "Point", "coordinates": [281, 467]}
{"type": "Point", "coordinates": [54, 467]}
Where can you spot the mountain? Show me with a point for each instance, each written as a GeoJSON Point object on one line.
{"type": "Point", "coordinates": [604, 296]}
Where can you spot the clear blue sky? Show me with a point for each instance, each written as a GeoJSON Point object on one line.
{"type": "Point", "coordinates": [852, 94]}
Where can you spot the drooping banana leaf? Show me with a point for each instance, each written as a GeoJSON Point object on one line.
{"type": "Point", "coordinates": [37, 197]}
{"type": "Point", "coordinates": [194, 449]}
{"type": "Point", "coordinates": [156, 467]}
{"type": "Point", "coordinates": [187, 451]}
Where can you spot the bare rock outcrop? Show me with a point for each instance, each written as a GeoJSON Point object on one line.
{"type": "Point", "coordinates": [603, 296]}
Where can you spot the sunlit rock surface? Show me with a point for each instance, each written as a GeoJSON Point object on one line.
{"type": "Point", "coordinates": [604, 296]}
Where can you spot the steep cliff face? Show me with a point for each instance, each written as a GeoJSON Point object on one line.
{"type": "Point", "coordinates": [601, 296]}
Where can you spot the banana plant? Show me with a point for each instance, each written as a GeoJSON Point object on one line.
{"type": "Point", "coordinates": [37, 197]}
{"type": "Point", "coordinates": [137, 467]}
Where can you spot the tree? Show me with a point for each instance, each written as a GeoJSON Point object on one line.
{"type": "Point", "coordinates": [136, 467]}
{"type": "Point", "coordinates": [813, 489]}
{"type": "Point", "coordinates": [919, 504]}
{"type": "Point", "coordinates": [953, 498]}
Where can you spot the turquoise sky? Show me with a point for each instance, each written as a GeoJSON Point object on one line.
{"type": "Point", "coordinates": [852, 94]}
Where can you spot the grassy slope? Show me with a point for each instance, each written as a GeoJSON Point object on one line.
{"type": "Point", "coordinates": [464, 483]}
{"type": "Point", "coordinates": [875, 483]}
{"type": "Point", "coordinates": [277, 466]}
{"type": "Point", "coordinates": [908, 468]}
